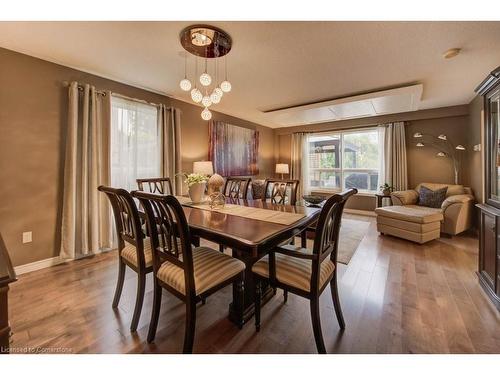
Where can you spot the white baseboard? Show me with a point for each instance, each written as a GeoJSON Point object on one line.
{"type": "Point", "coordinates": [35, 266]}
{"type": "Point", "coordinates": [49, 262]}
{"type": "Point", "coordinates": [360, 212]}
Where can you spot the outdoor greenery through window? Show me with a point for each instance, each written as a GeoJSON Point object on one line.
{"type": "Point", "coordinates": [343, 160]}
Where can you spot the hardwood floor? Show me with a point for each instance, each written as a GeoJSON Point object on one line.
{"type": "Point", "coordinates": [397, 297]}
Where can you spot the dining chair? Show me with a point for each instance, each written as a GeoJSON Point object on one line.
{"type": "Point", "coordinates": [280, 191]}
{"type": "Point", "coordinates": [189, 273]}
{"type": "Point", "coordinates": [134, 250]}
{"type": "Point", "coordinates": [307, 272]}
{"type": "Point", "coordinates": [236, 187]}
{"type": "Point", "coordinates": [159, 185]}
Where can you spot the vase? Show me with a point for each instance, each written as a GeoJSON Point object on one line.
{"type": "Point", "coordinates": [197, 192]}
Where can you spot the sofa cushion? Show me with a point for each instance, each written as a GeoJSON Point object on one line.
{"type": "Point", "coordinates": [431, 198]}
{"type": "Point", "coordinates": [413, 213]}
{"type": "Point", "coordinates": [452, 189]}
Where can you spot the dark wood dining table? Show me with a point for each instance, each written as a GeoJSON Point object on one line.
{"type": "Point", "coordinates": [249, 239]}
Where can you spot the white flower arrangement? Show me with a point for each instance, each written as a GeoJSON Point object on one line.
{"type": "Point", "coordinates": [195, 178]}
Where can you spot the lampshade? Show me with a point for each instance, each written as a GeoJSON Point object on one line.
{"type": "Point", "coordinates": [203, 167]}
{"type": "Point", "coordinates": [282, 168]}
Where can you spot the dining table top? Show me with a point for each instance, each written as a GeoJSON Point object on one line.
{"type": "Point", "coordinates": [248, 233]}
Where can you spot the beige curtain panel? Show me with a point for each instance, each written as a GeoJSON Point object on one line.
{"type": "Point", "coordinates": [86, 213]}
{"type": "Point", "coordinates": [169, 124]}
{"type": "Point", "coordinates": [395, 164]}
{"type": "Point", "coordinates": [296, 166]}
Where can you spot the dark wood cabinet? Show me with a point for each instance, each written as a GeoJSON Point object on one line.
{"type": "Point", "coordinates": [7, 276]}
{"type": "Point", "coordinates": [489, 235]}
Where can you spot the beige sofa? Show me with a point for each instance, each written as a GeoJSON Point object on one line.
{"type": "Point", "coordinates": [456, 209]}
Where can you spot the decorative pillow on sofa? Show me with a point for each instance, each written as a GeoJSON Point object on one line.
{"type": "Point", "coordinates": [431, 198]}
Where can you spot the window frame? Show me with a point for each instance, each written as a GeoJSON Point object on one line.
{"type": "Point", "coordinates": [341, 170]}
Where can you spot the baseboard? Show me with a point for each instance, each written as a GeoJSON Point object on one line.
{"type": "Point", "coordinates": [49, 262]}
{"type": "Point", "coordinates": [38, 265]}
{"type": "Point", "coordinates": [360, 212]}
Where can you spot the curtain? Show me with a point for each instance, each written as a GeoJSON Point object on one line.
{"type": "Point", "coordinates": [169, 124]}
{"type": "Point", "coordinates": [299, 166]}
{"type": "Point", "coordinates": [86, 212]}
{"type": "Point", "coordinates": [136, 147]}
{"type": "Point", "coordinates": [394, 169]}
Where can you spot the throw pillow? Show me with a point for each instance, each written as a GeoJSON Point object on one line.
{"type": "Point", "coordinates": [431, 198]}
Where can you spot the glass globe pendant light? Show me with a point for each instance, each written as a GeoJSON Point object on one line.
{"type": "Point", "coordinates": [215, 98]}
{"type": "Point", "coordinates": [196, 95]}
{"type": "Point", "coordinates": [206, 114]}
{"type": "Point", "coordinates": [206, 101]}
{"type": "Point", "coordinates": [205, 78]}
{"type": "Point", "coordinates": [185, 83]}
{"type": "Point", "coordinates": [225, 85]}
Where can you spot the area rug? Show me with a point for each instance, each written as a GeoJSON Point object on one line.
{"type": "Point", "coordinates": [350, 236]}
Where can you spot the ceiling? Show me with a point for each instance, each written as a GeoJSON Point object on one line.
{"type": "Point", "coordinates": [274, 65]}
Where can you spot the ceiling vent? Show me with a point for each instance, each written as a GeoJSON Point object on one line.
{"type": "Point", "coordinates": [403, 99]}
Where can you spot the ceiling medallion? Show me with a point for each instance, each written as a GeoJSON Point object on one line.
{"type": "Point", "coordinates": [210, 44]}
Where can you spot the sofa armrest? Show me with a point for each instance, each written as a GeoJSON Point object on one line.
{"type": "Point", "coordinates": [459, 198]}
{"type": "Point", "coordinates": [404, 197]}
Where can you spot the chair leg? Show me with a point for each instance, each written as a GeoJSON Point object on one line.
{"type": "Point", "coordinates": [190, 327]}
{"type": "Point", "coordinates": [316, 323]}
{"type": "Point", "coordinates": [221, 248]}
{"type": "Point", "coordinates": [155, 313]}
{"type": "Point", "coordinates": [303, 239]}
{"type": "Point", "coordinates": [141, 286]}
{"type": "Point", "coordinates": [336, 301]}
{"type": "Point", "coordinates": [258, 296]}
{"type": "Point", "coordinates": [119, 283]}
{"type": "Point", "coordinates": [285, 296]}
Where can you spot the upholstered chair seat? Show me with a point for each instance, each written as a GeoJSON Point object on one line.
{"type": "Point", "coordinates": [295, 272]}
{"type": "Point", "coordinates": [129, 253]}
{"type": "Point", "coordinates": [211, 268]}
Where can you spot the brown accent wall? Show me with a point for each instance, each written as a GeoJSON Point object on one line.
{"type": "Point", "coordinates": [33, 116]}
{"type": "Point", "coordinates": [423, 165]}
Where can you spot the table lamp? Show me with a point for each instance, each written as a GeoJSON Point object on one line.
{"type": "Point", "coordinates": [282, 169]}
{"type": "Point", "coordinates": [203, 167]}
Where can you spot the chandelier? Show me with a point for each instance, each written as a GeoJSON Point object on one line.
{"type": "Point", "coordinates": [208, 44]}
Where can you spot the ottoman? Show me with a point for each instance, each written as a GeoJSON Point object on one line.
{"type": "Point", "coordinates": [415, 223]}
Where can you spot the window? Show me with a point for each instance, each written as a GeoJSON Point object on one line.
{"type": "Point", "coordinates": [135, 142]}
{"type": "Point", "coordinates": [343, 160]}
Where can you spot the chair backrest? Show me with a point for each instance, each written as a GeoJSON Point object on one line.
{"type": "Point", "coordinates": [166, 224]}
{"type": "Point", "coordinates": [236, 187]}
{"type": "Point", "coordinates": [160, 185]}
{"type": "Point", "coordinates": [280, 191]}
{"type": "Point", "coordinates": [127, 220]}
{"type": "Point", "coordinates": [327, 232]}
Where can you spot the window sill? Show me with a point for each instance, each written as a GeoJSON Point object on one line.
{"type": "Point", "coordinates": [331, 192]}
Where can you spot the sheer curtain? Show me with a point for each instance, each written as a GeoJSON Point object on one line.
{"type": "Point", "coordinates": [136, 142]}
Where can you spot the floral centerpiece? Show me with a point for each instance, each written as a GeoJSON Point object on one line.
{"type": "Point", "coordinates": [386, 189]}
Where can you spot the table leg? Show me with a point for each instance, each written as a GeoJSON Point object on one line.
{"type": "Point", "coordinates": [240, 313]}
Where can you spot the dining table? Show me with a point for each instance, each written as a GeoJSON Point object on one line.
{"type": "Point", "coordinates": [250, 231]}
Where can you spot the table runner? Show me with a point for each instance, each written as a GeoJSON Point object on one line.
{"type": "Point", "coordinates": [271, 216]}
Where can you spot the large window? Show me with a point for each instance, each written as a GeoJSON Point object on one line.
{"type": "Point", "coordinates": [343, 160]}
{"type": "Point", "coordinates": [135, 143]}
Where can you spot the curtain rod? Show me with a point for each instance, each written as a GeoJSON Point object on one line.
{"type": "Point", "coordinates": [103, 93]}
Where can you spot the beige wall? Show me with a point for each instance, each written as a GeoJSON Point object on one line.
{"type": "Point", "coordinates": [423, 165]}
{"type": "Point", "coordinates": [32, 132]}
